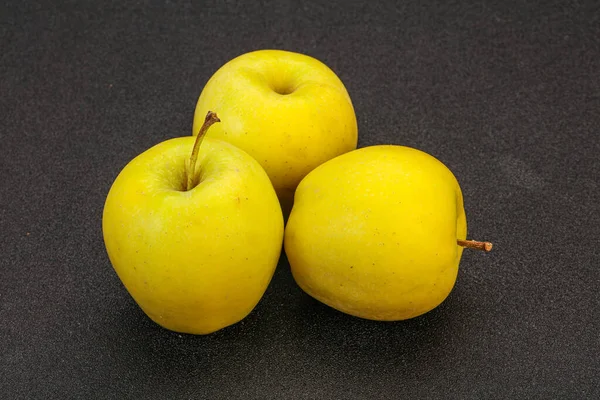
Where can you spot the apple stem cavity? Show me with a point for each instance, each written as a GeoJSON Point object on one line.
{"type": "Point", "coordinates": [474, 244]}
{"type": "Point", "coordinates": [210, 119]}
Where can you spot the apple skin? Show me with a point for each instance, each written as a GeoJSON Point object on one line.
{"type": "Point", "coordinates": [287, 110]}
{"type": "Point", "coordinates": [195, 261]}
{"type": "Point", "coordinates": [373, 233]}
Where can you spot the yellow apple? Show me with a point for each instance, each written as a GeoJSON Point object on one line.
{"type": "Point", "coordinates": [195, 243]}
{"type": "Point", "coordinates": [375, 233]}
{"type": "Point", "coordinates": [287, 110]}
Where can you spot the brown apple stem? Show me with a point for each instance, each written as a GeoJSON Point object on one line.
{"type": "Point", "coordinates": [210, 119]}
{"type": "Point", "coordinates": [474, 244]}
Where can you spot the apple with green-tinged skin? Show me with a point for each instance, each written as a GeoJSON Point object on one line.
{"type": "Point", "coordinates": [195, 243]}
{"type": "Point", "coordinates": [378, 233]}
{"type": "Point", "coordinates": [288, 110]}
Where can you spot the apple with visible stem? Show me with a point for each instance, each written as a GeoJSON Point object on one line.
{"type": "Point", "coordinates": [194, 230]}
{"type": "Point", "coordinates": [378, 233]}
{"type": "Point", "coordinates": [289, 111]}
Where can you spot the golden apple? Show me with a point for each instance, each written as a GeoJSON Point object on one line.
{"type": "Point", "coordinates": [195, 243]}
{"type": "Point", "coordinates": [375, 233]}
{"type": "Point", "coordinates": [287, 110]}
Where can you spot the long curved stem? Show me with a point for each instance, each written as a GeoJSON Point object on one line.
{"type": "Point", "coordinates": [210, 119]}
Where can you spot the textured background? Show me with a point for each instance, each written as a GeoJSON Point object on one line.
{"type": "Point", "coordinates": [507, 94]}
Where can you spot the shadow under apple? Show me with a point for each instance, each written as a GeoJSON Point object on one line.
{"type": "Point", "coordinates": [289, 339]}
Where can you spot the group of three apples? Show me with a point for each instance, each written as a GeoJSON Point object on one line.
{"type": "Point", "coordinates": [194, 226]}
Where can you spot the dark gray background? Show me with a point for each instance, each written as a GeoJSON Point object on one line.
{"type": "Point", "coordinates": [506, 94]}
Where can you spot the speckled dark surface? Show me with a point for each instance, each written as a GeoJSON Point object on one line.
{"type": "Point", "coordinates": [506, 94]}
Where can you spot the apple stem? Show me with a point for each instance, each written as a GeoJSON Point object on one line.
{"type": "Point", "coordinates": [474, 244]}
{"type": "Point", "coordinates": [210, 119]}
